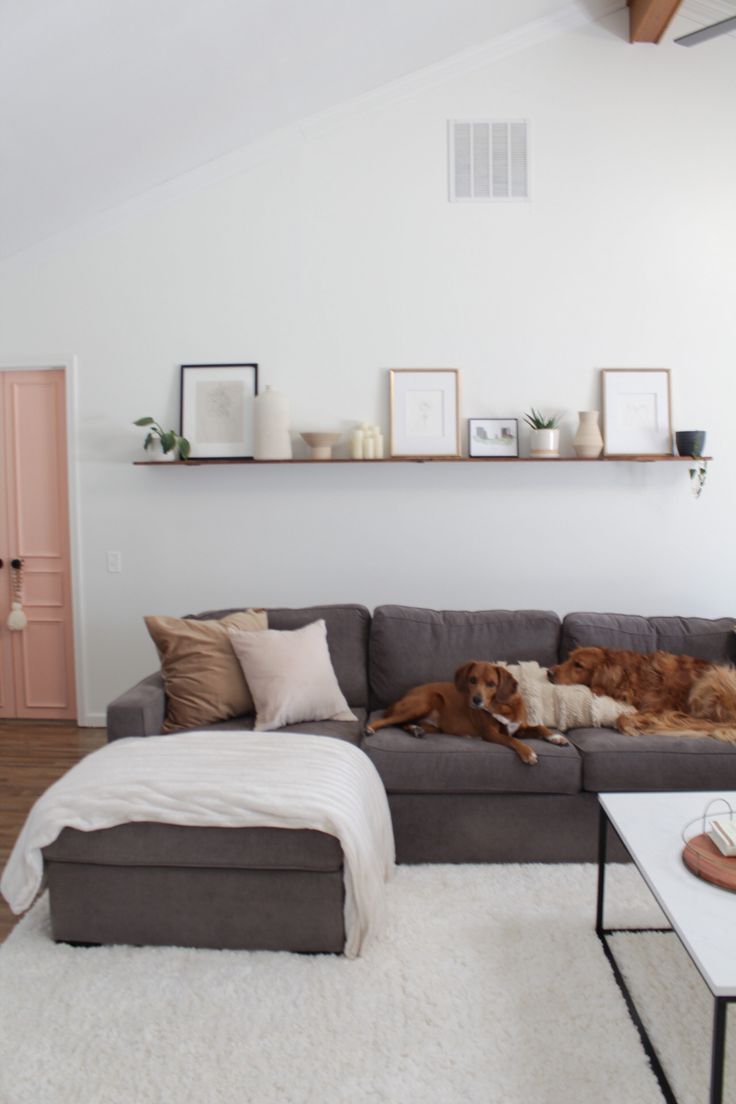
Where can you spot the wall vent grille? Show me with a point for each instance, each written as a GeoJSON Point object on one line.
{"type": "Point", "coordinates": [489, 160]}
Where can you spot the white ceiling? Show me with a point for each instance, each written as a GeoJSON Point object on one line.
{"type": "Point", "coordinates": [102, 100]}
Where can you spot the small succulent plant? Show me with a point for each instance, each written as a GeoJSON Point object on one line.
{"type": "Point", "coordinates": [169, 438]}
{"type": "Point", "coordinates": [537, 420]}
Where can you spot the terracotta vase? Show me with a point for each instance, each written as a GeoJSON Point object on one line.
{"type": "Point", "coordinates": [588, 441]}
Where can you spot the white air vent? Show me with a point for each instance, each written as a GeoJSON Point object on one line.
{"type": "Point", "coordinates": [488, 160]}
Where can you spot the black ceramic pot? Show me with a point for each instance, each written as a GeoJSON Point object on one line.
{"type": "Point", "coordinates": [690, 442]}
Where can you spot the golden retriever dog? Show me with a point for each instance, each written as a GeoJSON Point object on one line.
{"type": "Point", "coordinates": [483, 701]}
{"type": "Point", "coordinates": [671, 693]}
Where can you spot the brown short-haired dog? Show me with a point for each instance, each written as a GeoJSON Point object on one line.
{"type": "Point", "coordinates": [672, 693]}
{"type": "Point", "coordinates": [484, 701]}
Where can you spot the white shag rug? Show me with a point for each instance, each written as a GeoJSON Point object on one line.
{"type": "Point", "coordinates": [488, 986]}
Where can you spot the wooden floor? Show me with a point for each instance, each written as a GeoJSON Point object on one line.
{"type": "Point", "coordinates": [32, 756]}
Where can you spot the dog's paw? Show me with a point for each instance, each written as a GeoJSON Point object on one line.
{"type": "Point", "coordinates": [368, 731]}
{"type": "Point", "coordinates": [557, 738]}
{"type": "Point", "coordinates": [416, 731]}
{"type": "Point", "coordinates": [531, 759]}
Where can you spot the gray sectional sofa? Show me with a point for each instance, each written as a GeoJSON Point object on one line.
{"type": "Point", "coordinates": [451, 800]}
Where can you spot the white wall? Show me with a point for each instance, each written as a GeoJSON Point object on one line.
{"type": "Point", "coordinates": [340, 257]}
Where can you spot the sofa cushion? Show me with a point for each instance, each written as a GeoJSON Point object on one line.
{"type": "Point", "coordinates": [711, 639]}
{"type": "Point", "coordinates": [410, 646]}
{"type": "Point", "coordinates": [351, 731]}
{"type": "Point", "coordinates": [453, 764]}
{"type": "Point", "coordinates": [204, 681]}
{"type": "Point", "coordinates": [612, 761]}
{"type": "Point", "coordinates": [347, 640]}
{"type": "Point", "coordinates": [290, 676]}
{"type": "Point", "coordinates": [149, 844]}
{"type": "Point", "coordinates": [607, 630]}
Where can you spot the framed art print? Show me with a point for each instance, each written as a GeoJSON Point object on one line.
{"type": "Point", "coordinates": [637, 411]}
{"type": "Point", "coordinates": [493, 437]}
{"type": "Point", "coordinates": [217, 409]}
{"type": "Point", "coordinates": [425, 412]}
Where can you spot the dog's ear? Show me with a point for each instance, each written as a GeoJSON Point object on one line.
{"type": "Point", "coordinates": [507, 685]}
{"type": "Point", "coordinates": [462, 674]}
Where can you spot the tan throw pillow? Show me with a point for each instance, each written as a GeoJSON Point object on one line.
{"type": "Point", "coordinates": [290, 675]}
{"type": "Point", "coordinates": [204, 681]}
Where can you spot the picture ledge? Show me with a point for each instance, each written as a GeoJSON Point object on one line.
{"type": "Point", "coordinates": [642, 459]}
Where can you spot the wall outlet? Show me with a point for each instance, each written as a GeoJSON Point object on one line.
{"type": "Point", "coordinates": [114, 563]}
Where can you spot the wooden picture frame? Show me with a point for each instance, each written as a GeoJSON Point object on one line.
{"type": "Point", "coordinates": [217, 409]}
{"type": "Point", "coordinates": [425, 412]}
{"type": "Point", "coordinates": [637, 411]}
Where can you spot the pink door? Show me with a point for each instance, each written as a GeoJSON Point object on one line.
{"type": "Point", "coordinates": [36, 663]}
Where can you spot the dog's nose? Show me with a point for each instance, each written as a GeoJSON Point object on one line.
{"type": "Point", "coordinates": [477, 699]}
{"type": "Point", "coordinates": [551, 674]}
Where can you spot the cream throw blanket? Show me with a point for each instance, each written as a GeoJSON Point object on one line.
{"type": "Point", "coordinates": [563, 707]}
{"type": "Point", "coordinates": [225, 779]}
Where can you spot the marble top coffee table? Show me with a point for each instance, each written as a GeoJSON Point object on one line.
{"type": "Point", "coordinates": [702, 915]}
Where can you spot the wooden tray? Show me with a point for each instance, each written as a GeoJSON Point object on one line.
{"type": "Point", "coordinates": [703, 858]}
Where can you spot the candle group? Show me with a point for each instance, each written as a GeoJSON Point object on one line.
{"type": "Point", "coordinates": [366, 443]}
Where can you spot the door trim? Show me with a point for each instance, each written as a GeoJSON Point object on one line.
{"type": "Point", "coordinates": [69, 366]}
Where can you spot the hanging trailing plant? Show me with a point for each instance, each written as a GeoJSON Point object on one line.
{"type": "Point", "coordinates": [698, 474]}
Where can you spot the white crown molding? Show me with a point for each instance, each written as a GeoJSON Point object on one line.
{"type": "Point", "coordinates": [572, 15]}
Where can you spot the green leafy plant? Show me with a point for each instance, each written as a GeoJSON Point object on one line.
{"type": "Point", "coordinates": [698, 475]}
{"type": "Point", "coordinates": [169, 438]}
{"type": "Point", "coordinates": [537, 420]}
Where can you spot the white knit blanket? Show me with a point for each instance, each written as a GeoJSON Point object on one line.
{"type": "Point", "coordinates": [563, 707]}
{"type": "Point", "coordinates": [225, 779]}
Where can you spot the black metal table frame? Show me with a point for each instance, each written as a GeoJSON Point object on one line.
{"type": "Point", "coordinates": [720, 1003]}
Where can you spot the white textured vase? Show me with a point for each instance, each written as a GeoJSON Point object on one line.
{"type": "Point", "coordinates": [588, 440]}
{"type": "Point", "coordinates": [545, 442]}
{"type": "Point", "coordinates": [272, 440]}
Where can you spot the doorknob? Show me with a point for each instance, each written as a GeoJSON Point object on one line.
{"type": "Point", "coordinates": [2, 563]}
{"type": "Point", "coordinates": [16, 564]}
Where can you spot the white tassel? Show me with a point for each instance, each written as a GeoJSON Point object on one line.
{"type": "Point", "coordinates": [17, 620]}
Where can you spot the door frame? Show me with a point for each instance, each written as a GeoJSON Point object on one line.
{"type": "Point", "coordinates": [68, 364]}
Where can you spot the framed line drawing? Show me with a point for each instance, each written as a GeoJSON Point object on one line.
{"type": "Point", "coordinates": [425, 412]}
{"type": "Point", "coordinates": [217, 409]}
{"type": "Point", "coordinates": [493, 437]}
{"type": "Point", "coordinates": [637, 411]}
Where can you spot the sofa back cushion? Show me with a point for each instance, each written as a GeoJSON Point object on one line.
{"type": "Point", "coordinates": [347, 640]}
{"type": "Point", "coordinates": [607, 630]}
{"type": "Point", "coordinates": [711, 639]}
{"type": "Point", "coordinates": [410, 646]}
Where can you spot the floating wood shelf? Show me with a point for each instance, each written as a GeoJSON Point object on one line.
{"type": "Point", "coordinates": [643, 459]}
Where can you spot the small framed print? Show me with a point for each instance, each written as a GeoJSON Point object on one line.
{"type": "Point", "coordinates": [425, 412]}
{"type": "Point", "coordinates": [637, 411]}
{"type": "Point", "coordinates": [217, 409]}
{"type": "Point", "coordinates": [493, 437]}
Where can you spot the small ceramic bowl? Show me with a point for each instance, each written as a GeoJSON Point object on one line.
{"type": "Point", "coordinates": [321, 444]}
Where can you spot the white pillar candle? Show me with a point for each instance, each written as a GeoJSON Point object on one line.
{"type": "Point", "coordinates": [356, 445]}
{"type": "Point", "coordinates": [369, 447]}
{"type": "Point", "coordinates": [378, 445]}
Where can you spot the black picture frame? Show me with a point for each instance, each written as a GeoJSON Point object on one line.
{"type": "Point", "coordinates": [493, 438]}
{"type": "Point", "coordinates": [217, 409]}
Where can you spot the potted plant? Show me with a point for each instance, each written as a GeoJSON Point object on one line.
{"type": "Point", "coordinates": [545, 436]}
{"type": "Point", "coordinates": [163, 444]}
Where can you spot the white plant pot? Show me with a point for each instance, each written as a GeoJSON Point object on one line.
{"type": "Point", "coordinates": [156, 452]}
{"type": "Point", "coordinates": [545, 442]}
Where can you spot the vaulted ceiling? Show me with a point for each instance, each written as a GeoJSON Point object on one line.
{"type": "Point", "coordinates": [102, 100]}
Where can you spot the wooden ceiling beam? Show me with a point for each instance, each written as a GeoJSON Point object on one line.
{"type": "Point", "coordinates": [649, 19]}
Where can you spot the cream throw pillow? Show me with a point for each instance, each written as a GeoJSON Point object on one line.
{"type": "Point", "coordinates": [290, 675]}
{"type": "Point", "coordinates": [204, 681]}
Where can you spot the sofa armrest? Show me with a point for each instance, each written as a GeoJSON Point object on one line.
{"type": "Point", "coordinates": [139, 711]}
